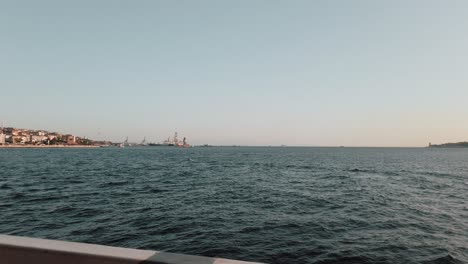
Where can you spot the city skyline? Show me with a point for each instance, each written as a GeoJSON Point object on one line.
{"type": "Point", "coordinates": [298, 73]}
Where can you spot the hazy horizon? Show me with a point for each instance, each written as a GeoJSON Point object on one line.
{"type": "Point", "coordinates": [298, 73]}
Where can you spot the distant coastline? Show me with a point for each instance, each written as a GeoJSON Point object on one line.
{"type": "Point", "coordinates": [49, 146]}
{"type": "Point", "coordinates": [450, 145]}
{"type": "Point", "coordinates": [11, 137]}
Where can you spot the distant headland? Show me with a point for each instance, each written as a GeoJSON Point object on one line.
{"type": "Point", "coordinates": [450, 145]}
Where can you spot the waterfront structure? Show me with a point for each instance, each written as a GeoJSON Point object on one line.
{"type": "Point", "coordinates": [2, 138]}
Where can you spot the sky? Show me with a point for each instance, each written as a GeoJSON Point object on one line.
{"type": "Point", "coordinates": [299, 73]}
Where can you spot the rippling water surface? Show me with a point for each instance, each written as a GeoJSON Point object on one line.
{"type": "Point", "coordinates": [274, 205]}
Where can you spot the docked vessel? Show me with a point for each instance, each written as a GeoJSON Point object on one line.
{"type": "Point", "coordinates": [172, 142]}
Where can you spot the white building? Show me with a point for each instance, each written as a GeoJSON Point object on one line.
{"type": "Point", "coordinates": [37, 139]}
{"type": "Point", "coordinates": [2, 139]}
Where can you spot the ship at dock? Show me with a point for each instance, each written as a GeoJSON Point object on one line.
{"type": "Point", "coordinates": [172, 142]}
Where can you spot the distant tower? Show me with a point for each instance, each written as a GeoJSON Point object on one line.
{"type": "Point", "coordinates": [175, 138]}
{"type": "Point", "coordinates": [184, 142]}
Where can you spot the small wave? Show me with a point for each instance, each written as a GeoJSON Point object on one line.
{"type": "Point", "coordinates": [87, 231]}
{"type": "Point", "coordinates": [263, 164]}
{"type": "Point", "coordinates": [75, 181]}
{"type": "Point", "coordinates": [44, 198]}
{"type": "Point", "coordinates": [5, 187]}
{"type": "Point", "coordinates": [356, 170]}
{"type": "Point", "coordinates": [306, 167]}
{"type": "Point", "coordinates": [347, 260]}
{"type": "Point", "coordinates": [61, 209]}
{"type": "Point", "coordinates": [89, 212]}
{"type": "Point", "coordinates": [6, 205]}
{"type": "Point", "coordinates": [118, 239]}
{"type": "Point", "coordinates": [432, 173]}
{"type": "Point", "coordinates": [389, 173]}
{"type": "Point", "coordinates": [186, 173]}
{"type": "Point", "coordinates": [114, 183]}
{"type": "Point", "coordinates": [268, 227]}
{"type": "Point", "coordinates": [302, 167]}
{"type": "Point", "coordinates": [364, 171]}
{"type": "Point", "coordinates": [18, 195]}
{"type": "Point", "coordinates": [250, 229]}
{"type": "Point", "coordinates": [174, 229]}
{"type": "Point", "coordinates": [156, 190]}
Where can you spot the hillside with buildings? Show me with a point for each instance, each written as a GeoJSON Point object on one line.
{"type": "Point", "coordinates": [19, 136]}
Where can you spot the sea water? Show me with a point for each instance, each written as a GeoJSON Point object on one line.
{"type": "Point", "coordinates": [267, 204]}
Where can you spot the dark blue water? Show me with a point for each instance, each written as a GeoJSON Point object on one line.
{"type": "Point", "coordinates": [274, 205]}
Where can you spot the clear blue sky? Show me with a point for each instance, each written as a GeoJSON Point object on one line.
{"type": "Point", "coordinates": [323, 73]}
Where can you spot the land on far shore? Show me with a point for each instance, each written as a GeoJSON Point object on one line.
{"type": "Point", "coordinates": [11, 137]}
{"type": "Point", "coordinates": [450, 145]}
{"type": "Point", "coordinates": [48, 146]}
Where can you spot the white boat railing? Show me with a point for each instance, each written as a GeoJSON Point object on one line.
{"type": "Point", "coordinates": [26, 250]}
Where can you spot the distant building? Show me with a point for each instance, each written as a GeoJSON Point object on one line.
{"type": "Point", "coordinates": [20, 139]}
{"type": "Point", "coordinates": [2, 139]}
{"type": "Point", "coordinates": [70, 139]}
{"type": "Point", "coordinates": [8, 130]}
{"type": "Point", "coordinates": [54, 135]}
{"type": "Point", "coordinates": [16, 132]}
{"type": "Point", "coordinates": [37, 139]}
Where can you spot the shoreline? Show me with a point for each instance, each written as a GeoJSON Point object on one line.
{"type": "Point", "coordinates": [47, 146]}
